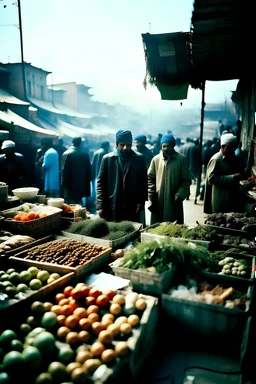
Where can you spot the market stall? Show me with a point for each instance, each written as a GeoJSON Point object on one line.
{"type": "Point", "coordinates": [93, 293]}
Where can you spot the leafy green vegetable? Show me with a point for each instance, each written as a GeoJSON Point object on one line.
{"type": "Point", "coordinates": [175, 230]}
{"type": "Point", "coordinates": [165, 253]}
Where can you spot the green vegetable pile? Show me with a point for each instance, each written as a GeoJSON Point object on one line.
{"type": "Point", "coordinates": [175, 230]}
{"type": "Point", "coordinates": [162, 255]}
{"type": "Point", "coordinates": [101, 229]}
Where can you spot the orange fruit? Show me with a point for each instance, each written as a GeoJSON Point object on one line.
{"type": "Point", "coordinates": [80, 312]}
{"type": "Point", "coordinates": [73, 304]}
{"type": "Point", "coordinates": [67, 290]}
{"type": "Point", "coordinates": [61, 319]}
{"type": "Point", "coordinates": [17, 217]}
{"type": "Point", "coordinates": [97, 327]}
{"type": "Point", "coordinates": [72, 338]}
{"type": "Point", "coordinates": [56, 309]}
{"type": "Point", "coordinates": [41, 215]}
{"type": "Point", "coordinates": [92, 309]}
{"type": "Point", "coordinates": [85, 324]}
{"type": "Point", "coordinates": [66, 310]}
{"type": "Point", "coordinates": [93, 317]}
{"type": "Point", "coordinates": [24, 218]}
{"type": "Point", "coordinates": [84, 336]}
{"type": "Point", "coordinates": [59, 297]}
{"type": "Point", "coordinates": [63, 332]}
{"type": "Point", "coordinates": [90, 301]}
{"type": "Point", "coordinates": [71, 321]}
{"type": "Point", "coordinates": [63, 301]}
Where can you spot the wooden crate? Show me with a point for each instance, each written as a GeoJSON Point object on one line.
{"type": "Point", "coordinates": [114, 244]}
{"type": "Point", "coordinates": [90, 266]}
{"type": "Point", "coordinates": [19, 265]}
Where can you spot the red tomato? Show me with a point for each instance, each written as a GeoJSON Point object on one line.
{"type": "Point", "coordinates": [90, 301]}
{"type": "Point", "coordinates": [110, 294]}
{"type": "Point", "coordinates": [76, 294]}
{"type": "Point", "coordinates": [102, 301]}
{"type": "Point", "coordinates": [94, 292]}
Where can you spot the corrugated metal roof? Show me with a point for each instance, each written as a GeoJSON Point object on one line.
{"type": "Point", "coordinates": [12, 118]}
{"type": "Point", "coordinates": [6, 97]}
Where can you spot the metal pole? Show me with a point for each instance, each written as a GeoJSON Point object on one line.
{"type": "Point", "coordinates": [21, 51]}
{"type": "Point", "coordinates": [201, 129]}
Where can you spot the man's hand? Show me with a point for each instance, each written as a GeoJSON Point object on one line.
{"type": "Point", "coordinates": [101, 213]}
{"type": "Point", "coordinates": [139, 208]}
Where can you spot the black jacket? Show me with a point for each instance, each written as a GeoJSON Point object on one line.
{"type": "Point", "coordinates": [119, 192]}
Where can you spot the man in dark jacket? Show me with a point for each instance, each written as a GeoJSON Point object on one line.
{"type": "Point", "coordinates": [96, 161]}
{"type": "Point", "coordinates": [140, 142]}
{"type": "Point", "coordinates": [75, 173]}
{"type": "Point", "coordinates": [122, 182]}
{"type": "Point", "coordinates": [12, 166]}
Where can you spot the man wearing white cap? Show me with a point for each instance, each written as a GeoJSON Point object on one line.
{"type": "Point", "coordinates": [12, 166]}
{"type": "Point", "coordinates": [224, 171]}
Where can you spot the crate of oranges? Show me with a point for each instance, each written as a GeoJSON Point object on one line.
{"type": "Point", "coordinates": [38, 222]}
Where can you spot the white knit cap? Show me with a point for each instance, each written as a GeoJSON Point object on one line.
{"type": "Point", "coordinates": [8, 144]}
{"type": "Point", "coordinates": [228, 138]}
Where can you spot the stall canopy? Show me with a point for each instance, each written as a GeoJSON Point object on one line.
{"type": "Point", "coordinates": [14, 119]}
{"type": "Point", "coordinates": [6, 97]}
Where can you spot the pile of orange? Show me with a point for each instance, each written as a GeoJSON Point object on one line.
{"type": "Point", "coordinates": [22, 216]}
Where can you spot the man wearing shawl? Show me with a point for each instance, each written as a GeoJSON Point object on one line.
{"type": "Point", "coordinates": [224, 171]}
{"type": "Point", "coordinates": [168, 183]}
{"type": "Point", "coordinates": [122, 182]}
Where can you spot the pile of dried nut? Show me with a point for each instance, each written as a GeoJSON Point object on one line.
{"type": "Point", "coordinates": [71, 253]}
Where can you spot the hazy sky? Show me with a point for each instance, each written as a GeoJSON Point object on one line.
{"type": "Point", "coordinates": [98, 43]}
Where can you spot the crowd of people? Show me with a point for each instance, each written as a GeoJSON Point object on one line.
{"type": "Point", "coordinates": [117, 182]}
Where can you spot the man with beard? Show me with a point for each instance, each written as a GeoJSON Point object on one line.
{"type": "Point", "coordinates": [140, 142]}
{"type": "Point", "coordinates": [168, 183]}
{"type": "Point", "coordinates": [223, 174]}
{"type": "Point", "coordinates": [122, 182]}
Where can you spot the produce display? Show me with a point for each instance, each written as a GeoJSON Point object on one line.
{"type": "Point", "coordinates": [28, 211]}
{"type": "Point", "coordinates": [71, 338]}
{"type": "Point", "coordinates": [159, 256]}
{"type": "Point", "coordinates": [223, 263]}
{"type": "Point", "coordinates": [239, 221]}
{"type": "Point", "coordinates": [237, 241]}
{"type": "Point", "coordinates": [71, 253]}
{"type": "Point", "coordinates": [12, 282]}
{"type": "Point", "coordinates": [8, 241]}
{"type": "Point", "coordinates": [101, 229]}
{"type": "Point", "coordinates": [209, 294]}
{"type": "Point", "coordinates": [175, 230]}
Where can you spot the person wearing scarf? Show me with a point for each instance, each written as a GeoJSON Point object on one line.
{"type": "Point", "coordinates": [224, 171]}
{"type": "Point", "coordinates": [122, 182]}
{"type": "Point", "coordinates": [168, 183]}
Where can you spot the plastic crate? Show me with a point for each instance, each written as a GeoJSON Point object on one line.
{"type": "Point", "coordinates": [207, 320]}
{"type": "Point", "coordinates": [39, 227]}
{"type": "Point", "coordinates": [145, 282]}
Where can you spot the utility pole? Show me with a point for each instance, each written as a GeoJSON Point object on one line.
{"type": "Point", "coordinates": [21, 50]}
